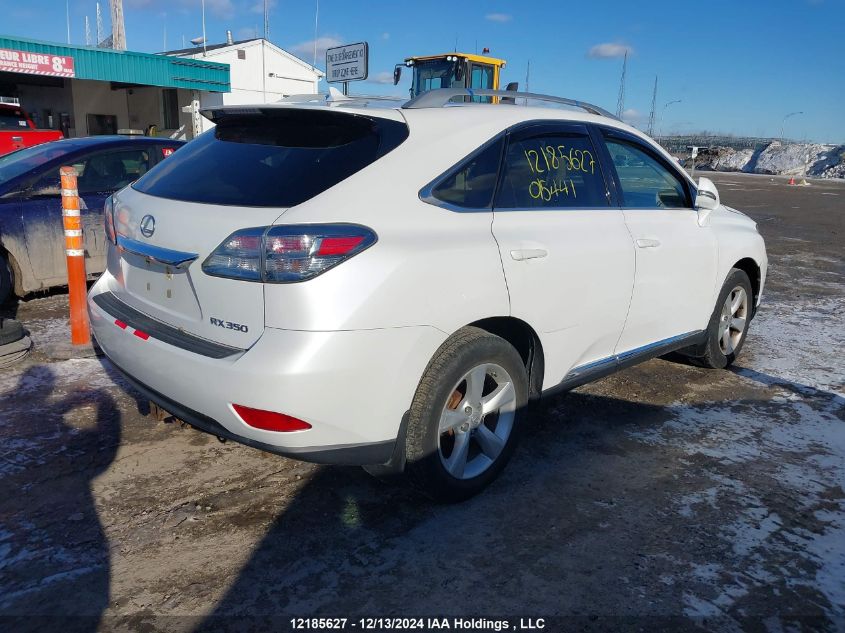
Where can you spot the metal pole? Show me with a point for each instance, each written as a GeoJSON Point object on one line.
{"type": "Point", "coordinates": [316, 22]}
{"type": "Point", "coordinates": [67, 17]}
{"type": "Point", "coordinates": [203, 28]}
{"type": "Point", "coordinates": [662, 117]}
{"type": "Point", "coordinates": [345, 87]}
{"type": "Point", "coordinates": [783, 123]}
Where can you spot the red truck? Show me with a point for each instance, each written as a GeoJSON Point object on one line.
{"type": "Point", "coordinates": [18, 131]}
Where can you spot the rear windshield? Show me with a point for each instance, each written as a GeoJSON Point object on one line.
{"type": "Point", "coordinates": [13, 120]}
{"type": "Point", "coordinates": [278, 158]}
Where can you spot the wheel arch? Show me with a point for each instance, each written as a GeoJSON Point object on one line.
{"type": "Point", "coordinates": [17, 276]}
{"type": "Point", "coordinates": [754, 272]}
{"type": "Point", "coordinates": [525, 340]}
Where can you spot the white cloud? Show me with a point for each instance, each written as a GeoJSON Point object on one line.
{"type": "Point", "coordinates": [632, 116]}
{"type": "Point", "coordinates": [498, 17]}
{"type": "Point", "coordinates": [609, 50]}
{"type": "Point", "coordinates": [223, 9]}
{"type": "Point", "coordinates": [305, 50]}
{"type": "Point", "coordinates": [258, 6]}
{"type": "Point", "coordinates": [246, 33]}
{"type": "Point", "coordinates": [382, 78]}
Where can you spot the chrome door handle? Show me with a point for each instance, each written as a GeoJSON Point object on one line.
{"type": "Point", "coordinates": [528, 253]}
{"type": "Point", "coordinates": [646, 243]}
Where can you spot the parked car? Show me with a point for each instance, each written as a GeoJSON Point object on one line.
{"type": "Point", "coordinates": [389, 287]}
{"type": "Point", "coordinates": [18, 131]}
{"type": "Point", "coordinates": [32, 251]}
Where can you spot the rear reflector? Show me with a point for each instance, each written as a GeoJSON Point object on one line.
{"type": "Point", "coordinates": [269, 420]}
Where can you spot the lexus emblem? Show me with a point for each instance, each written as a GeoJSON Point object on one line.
{"type": "Point", "coordinates": [148, 226]}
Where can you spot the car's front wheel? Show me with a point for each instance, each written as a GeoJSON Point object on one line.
{"type": "Point", "coordinates": [729, 322]}
{"type": "Point", "coordinates": [465, 415]}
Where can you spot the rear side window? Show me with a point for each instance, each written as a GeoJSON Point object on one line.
{"type": "Point", "coordinates": [552, 170]}
{"type": "Point", "coordinates": [472, 183]}
{"type": "Point", "coordinates": [276, 158]}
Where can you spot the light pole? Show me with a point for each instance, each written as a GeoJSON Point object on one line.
{"type": "Point", "coordinates": [663, 114]}
{"type": "Point", "coordinates": [782, 123]}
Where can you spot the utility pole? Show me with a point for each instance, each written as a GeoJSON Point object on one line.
{"type": "Point", "coordinates": [203, 29]}
{"type": "Point", "coordinates": [620, 102]}
{"type": "Point", "coordinates": [783, 123]}
{"type": "Point", "coordinates": [316, 23]}
{"type": "Point", "coordinates": [650, 131]}
{"type": "Point", "coordinates": [118, 29]}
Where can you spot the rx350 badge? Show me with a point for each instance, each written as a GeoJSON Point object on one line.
{"type": "Point", "coordinates": [228, 325]}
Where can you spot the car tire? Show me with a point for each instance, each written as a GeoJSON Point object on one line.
{"type": "Point", "coordinates": [465, 415]}
{"type": "Point", "coordinates": [11, 331]}
{"type": "Point", "coordinates": [7, 284]}
{"type": "Point", "coordinates": [729, 322]}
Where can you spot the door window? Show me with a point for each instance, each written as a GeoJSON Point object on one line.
{"type": "Point", "coordinates": [646, 182]}
{"type": "Point", "coordinates": [482, 76]}
{"type": "Point", "coordinates": [472, 183]}
{"type": "Point", "coordinates": [557, 170]}
{"type": "Point", "coordinates": [101, 172]}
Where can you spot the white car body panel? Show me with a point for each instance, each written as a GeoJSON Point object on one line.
{"type": "Point", "coordinates": [676, 273]}
{"type": "Point", "coordinates": [576, 297]}
{"type": "Point", "coordinates": [345, 351]}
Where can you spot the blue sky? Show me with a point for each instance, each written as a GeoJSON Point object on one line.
{"type": "Point", "coordinates": [737, 66]}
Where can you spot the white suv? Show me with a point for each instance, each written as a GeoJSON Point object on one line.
{"type": "Point", "coordinates": [389, 286]}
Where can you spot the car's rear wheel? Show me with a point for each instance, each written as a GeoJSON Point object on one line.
{"type": "Point", "coordinates": [729, 322]}
{"type": "Point", "coordinates": [465, 415]}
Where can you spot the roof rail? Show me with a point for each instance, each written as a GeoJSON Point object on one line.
{"type": "Point", "coordinates": [440, 97]}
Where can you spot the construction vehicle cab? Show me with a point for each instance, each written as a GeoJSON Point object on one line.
{"type": "Point", "coordinates": [451, 70]}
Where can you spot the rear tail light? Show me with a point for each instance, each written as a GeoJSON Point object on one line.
{"type": "Point", "coordinates": [269, 420]}
{"type": "Point", "coordinates": [108, 218]}
{"type": "Point", "coordinates": [285, 254]}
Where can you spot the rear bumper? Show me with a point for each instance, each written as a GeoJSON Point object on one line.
{"type": "Point", "coordinates": [353, 387]}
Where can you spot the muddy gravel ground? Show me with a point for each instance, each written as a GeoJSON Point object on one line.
{"type": "Point", "coordinates": [665, 491]}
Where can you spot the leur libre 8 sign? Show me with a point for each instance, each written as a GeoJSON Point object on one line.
{"type": "Point", "coordinates": [347, 63]}
{"type": "Point", "coordinates": [36, 63]}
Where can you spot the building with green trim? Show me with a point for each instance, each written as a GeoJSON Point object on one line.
{"type": "Point", "coordinates": [84, 90]}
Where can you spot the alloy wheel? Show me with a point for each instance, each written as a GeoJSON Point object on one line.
{"type": "Point", "coordinates": [476, 421]}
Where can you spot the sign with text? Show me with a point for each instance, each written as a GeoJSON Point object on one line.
{"type": "Point", "coordinates": [347, 63]}
{"type": "Point", "coordinates": [36, 63]}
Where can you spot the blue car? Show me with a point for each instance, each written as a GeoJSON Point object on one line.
{"type": "Point", "coordinates": [32, 253]}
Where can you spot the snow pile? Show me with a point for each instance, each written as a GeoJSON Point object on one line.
{"type": "Point", "coordinates": [789, 159]}
{"type": "Point", "coordinates": [723, 159]}
{"type": "Point", "coordinates": [785, 159]}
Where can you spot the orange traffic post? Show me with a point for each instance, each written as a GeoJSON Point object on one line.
{"type": "Point", "coordinates": [80, 332]}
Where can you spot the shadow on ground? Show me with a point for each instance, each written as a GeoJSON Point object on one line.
{"type": "Point", "coordinates": [54, 555]}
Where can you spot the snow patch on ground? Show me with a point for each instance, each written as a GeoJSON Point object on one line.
{"type": "Point", "coordinates": [796, 438]}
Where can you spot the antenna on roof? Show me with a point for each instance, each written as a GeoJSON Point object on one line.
{"type": "Point", "coordinates": [87, 32]}
{"type": "Point", "coordinates": [620, 102]}
{"type": "Point", "coordinates": [266, 20]}
{"type": "Point", "coordinates": [99, 25]}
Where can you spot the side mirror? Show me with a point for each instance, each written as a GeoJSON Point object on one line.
{"type": "Point", "coordinates": [397, 74]}
{"type": "Point", "coordinates": [706, 200]}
